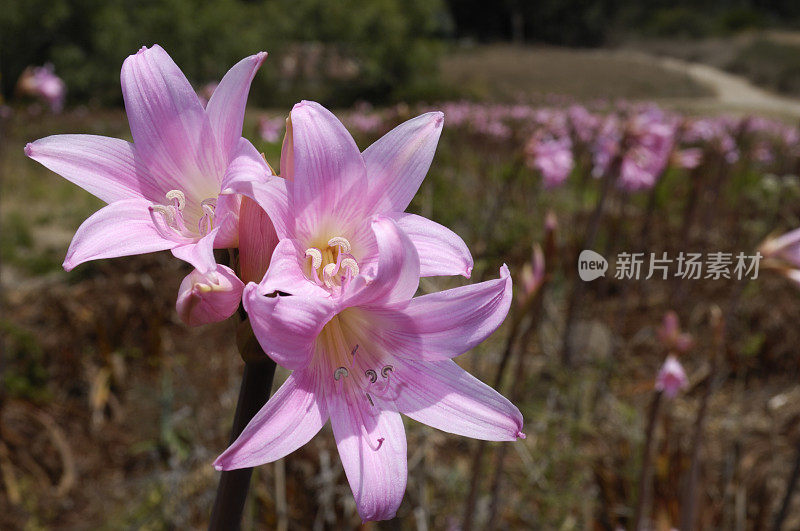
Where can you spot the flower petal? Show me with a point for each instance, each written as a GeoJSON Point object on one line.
{"type": "Point", "coordinates": [122, 228]}
{"type": "Point", "coordinates": [226, 107]}
{"type": "Point", "coordinates": [200, 253]}
{"type": "Point", "coordinates": [287, 326]}
{"type": "Point", "coordinates": [249, 175]}
{"type": "Point", "coordinates": [446, 324]}
{"type": "Point", "coordinates": [444, 396]}
{"type": "Point", "coordinates": [441, 251]}
{"type": "Point", "coordinates": [372, 445]}
{"type": "Point", "coordinates": [395, 276]}
{"type": "Point", "coordinates": [257, 241]}
{"type": "Point", "coordinates": [398, 162]}
{"type": "Point", "coordinates": [170, 128]}
{"type": "Point", "coordinates": [328, 177]}
{"type": "Point", "coordinates": [287, 421]}
{"type": "Point", "coordinates": [209, 297]}
{"type": "Point", "coordinates": [105, 167]}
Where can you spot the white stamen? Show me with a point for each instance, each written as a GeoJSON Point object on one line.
{"type": "Point", "coordinates": [177, 195]}
{"type": "Point", "coordinates": [351, 265]}
{"type": "Point", "coordinates": [316, 257]}
{"type": "Point", "coordinates": [327, 274]}
{"type": "Point", "coordinates": [340, 373]}
{"type": "Point", "coordinates": [343, 244]}
{"type": "Point", "coordinates": [167, 212]}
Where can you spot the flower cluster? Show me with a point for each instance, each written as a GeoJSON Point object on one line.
{"type": "Point", "coordinates": [636, 143]}
{"type": "Point", "coordinates": [331, 259]}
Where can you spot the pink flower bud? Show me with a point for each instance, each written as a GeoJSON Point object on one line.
{"type": "Point", "coordinates": [671, 377]}
{"type": "Point", "coordinates": [209, 297]}
{"type": "Point", "coordinates": [669, 334]}
{"type": "Point", "coordinates": [532, 275]}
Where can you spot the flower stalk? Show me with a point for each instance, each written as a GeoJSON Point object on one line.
{"type": "Point", "coordinates": [256, 388]}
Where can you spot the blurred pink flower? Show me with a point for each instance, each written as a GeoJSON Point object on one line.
{"type": "Point", "coordinates": [688, 158]}
{"type": "Point", "coordinates": [167, 189]}
{"type": "Point", "coordinates": [42, 82]}
{"type": "Point", "coordinates": [670, 335]}
{"type": "Point", "coordinates": [650, 138]}
{"type": "Point", "coordinates": [532, 275]}
{"type": "Point", "coordinates": [552, 157]}
{"type": "Point", "coordinates": [671, 377]}
{"type": "Point", "coordinates": [361, 348]}
{"type": "Point", "coordinates": [270, 129]}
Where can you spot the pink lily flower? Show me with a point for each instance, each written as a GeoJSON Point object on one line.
{"type": "Point", "coordinates": [364, 352]}
{"type": "Point", "coordinates": [331, 192]}
{"type": "Point", "coordinates": [336, 307]}
{"type": "Point", "coordinates": [671, 377]}
{"type": "Point", "coordinates": [164, 190]}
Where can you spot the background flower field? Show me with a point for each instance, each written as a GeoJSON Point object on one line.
{"type": "Point", "coordinates": [112, 410]}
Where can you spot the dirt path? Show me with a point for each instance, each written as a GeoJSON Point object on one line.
{"type": "Point", "coordinates": [732, 92]}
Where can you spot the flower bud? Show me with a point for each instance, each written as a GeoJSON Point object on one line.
{"type": "Point", "coordinates": [671, 377]}
{"type": "Point", "coordinates": [209, 297]}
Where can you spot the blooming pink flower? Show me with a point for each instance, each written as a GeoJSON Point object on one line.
{"type": "Point", "coordinates": [363, 352]}
{"type": "Point", "coordinates": [164, 189]}
{"type": "Point", "coordinates": [332, 192]}
{"type": "Point", "coordinates": [671, 377]}
{"type": "Point", "coordinates": [336, 307]}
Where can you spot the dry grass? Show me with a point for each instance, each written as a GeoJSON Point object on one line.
{"type": "Point", "coordinates": [508, 73]}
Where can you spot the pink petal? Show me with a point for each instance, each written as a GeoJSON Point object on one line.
{"type": "Point", "coordinates": [122, 228]}
{"type": "Point", "coordinates": [444, 396]}
{"type": "Point", "coordinates": [226, 107]}
{"type": "Point", "coordinates": [105, 167]}
{"type": "Point", "coordinates": [170, 129]}
{"type": "Point", "coordinates": [209, 297]}
{"type": "Point", "coordinates": [249, 175]}
{"type": "Point", "coordinates": [328, 177]}
{"type": "Point", "coordinates": [372, 445]}
{"type": "Point", "coordinates": [395, 276]}
{"type": "Point", "coordinates": [287, 326]}
{"type": "Point", "coordinates": [446, 324]}
{"type": "Point", "coordinates": [257, 241]}
{"type": "Point", "coordinates": [289, 420]}
{"type": "Point", "coordinates": [398, 162]}
{"type": "Point", "coordinates": [200, 253]}
{"type": "Point", "coordinates": [441, 251]}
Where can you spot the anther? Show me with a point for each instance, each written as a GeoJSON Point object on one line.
{"type": "Point", "coordinates": [343, 244]}
{"type": "Point", "coordinates": [386, 370]}
{"type": "Point", "coordinates": [177, 195]}
{"type": "Point", "coordinates": [316, 257]}
{"type": "Point", "coordinates": [370, 400]}
{"type": "Point", "coordinates": [327, 274]}
{"type": "Point", "coordinates": [340, 373]}
{"type": "Point", "coordinates": [372, 375]}
{"type": "Point", "coordinates": [355, 349]}
{"type": "Point", "coordinates": [351, 265]}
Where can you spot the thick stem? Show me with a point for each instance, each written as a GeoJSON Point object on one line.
{"type": "Point", "coordinates": [259, 371]}
{"type": "Point", "coordinates": [645, 474]}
